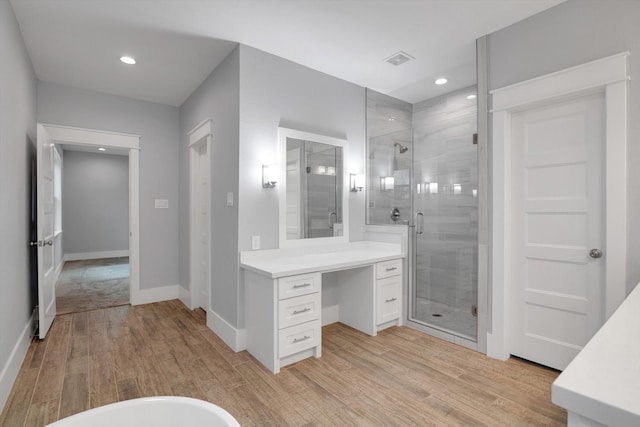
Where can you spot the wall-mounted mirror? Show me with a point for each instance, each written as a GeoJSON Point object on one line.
{"type": "Point", "coordinates": [313, 208]}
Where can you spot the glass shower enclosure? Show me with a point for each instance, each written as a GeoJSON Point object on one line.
{"type": "Point", "coordinates": [445, 202]}
{"type": "Point", "coordinates": [422, 172]}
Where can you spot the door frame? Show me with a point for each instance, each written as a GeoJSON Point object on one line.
{"type": "Point", "coordinates": [98, 138]}
{"type": "Point", "coordinates": [199, 135]}
{"type": "Point", "coordinates": [609, 76]}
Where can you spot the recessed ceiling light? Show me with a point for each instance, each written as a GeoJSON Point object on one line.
{"type": "Point", "coordinates": [441, 81]}
{"type": "Point", "coordinates": [472, 96]}
{"type": "Point", "coordinates": [128, 60]}
{"type": "Point", "coordinates": [102, 149]}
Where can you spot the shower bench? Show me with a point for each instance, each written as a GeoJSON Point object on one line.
{"type": "Point", "coordinates": [285, 306]}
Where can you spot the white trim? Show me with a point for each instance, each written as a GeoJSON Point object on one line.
{"type": "Point", "coordinates": [609, 75]}
{"type": "Point", "coordinates": [184, 295]}
{"type": "Point", "coordinates": [234, 338]}
{"type": "Point", "coordinates": [616, 195]}
{"type": "Point", "coordinates": [593, 75]}
{"type": "Point", "coordinates": [199, 135]}
{"type": "Point", "coordinates": [94, 255]}
{"type": "Point", "coordinates": [147, 296]}
{"type": "Point", "coordinates": [283, 134]}
{"type": "Point", "coordinates": [11, 369]}
{"type": "Point", "coordinates": [134, 225]}
{"type": "Point", "coordinates": [79, 136]}
{"type": "Point", "coordinates": [200, 132]}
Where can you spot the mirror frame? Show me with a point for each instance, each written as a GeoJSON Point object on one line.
{"type": "Point", "coordinates": [283, 134]}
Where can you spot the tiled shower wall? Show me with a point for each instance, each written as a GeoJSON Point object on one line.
{"type": "Point", "coordinates": [389, 120]}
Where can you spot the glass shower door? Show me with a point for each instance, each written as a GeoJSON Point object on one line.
{"type": "Point", "coordinates": [445, 183]}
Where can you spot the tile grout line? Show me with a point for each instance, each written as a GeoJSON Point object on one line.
{"type": "Point", "coordinates": [26, 415]}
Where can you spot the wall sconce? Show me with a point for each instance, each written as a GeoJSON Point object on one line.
{"type": "Point", "coordinates": [356, 182]}
{"type": "Point", "coordinates": [268, 176]}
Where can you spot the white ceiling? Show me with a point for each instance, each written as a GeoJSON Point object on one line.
{"type": "Point", "coordinates": [179, 42]}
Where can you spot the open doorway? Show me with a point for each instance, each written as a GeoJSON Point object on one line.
{"type": "Point", "coordinates": [92, 186]}
{"type": "Point", "coordinates": [50, 137]}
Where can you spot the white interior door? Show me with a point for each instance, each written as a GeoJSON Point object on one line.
{"type": "Point", "coordinates": [558, 213]}
{"type": "Point", "coordinates": [202, 203]}
{"type": "Point", "coordinates": [45, 206]}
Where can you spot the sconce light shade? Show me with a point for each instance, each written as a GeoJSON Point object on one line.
{"type": "Point", "coordinates": [268, 180]}
{"type": "Point", "coordinates": [356, 182]}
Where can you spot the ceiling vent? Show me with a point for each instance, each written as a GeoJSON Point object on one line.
{"type": "Point", "coordinates": [399, 58]}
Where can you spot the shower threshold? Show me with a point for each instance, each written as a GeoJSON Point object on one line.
{"type": "Point", "coordinates": [450, 320]}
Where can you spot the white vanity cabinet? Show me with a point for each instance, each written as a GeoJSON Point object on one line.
{"type": "Point", "coordinates": [283, 297]}
{"type": "Point", "coordinates": [388, 294]}
{"type": "Point", "coordinates": [299, 308]}
{"type": "Point", "coordinates": [283, 318]}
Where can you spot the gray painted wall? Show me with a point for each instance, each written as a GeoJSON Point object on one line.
{"type": "Point", "coordinates": [159, 127]}
{"type": "Point", "coordinates": [570, 34]}
{"type": "Point", "coordinates": [17, 138]}
{"type": "Point", "coordinates": [277, 92]}
{"type": "Point", "coordinates": [95, 202]}
{"type": "Point", "coordinates": [216, 98]}
{"type": "Point", "coordinates": [248, 96]}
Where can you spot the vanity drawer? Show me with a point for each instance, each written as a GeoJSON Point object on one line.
{"type": "Point", "coordinates": [298, 338]}
{"type": "Point", "coordinates": [389, 299]}
{"type": "Point", "coordinates": [389, 268]}
{"type": "Point", "coordinates": [294, 311]}
{"type": "Point", "coordinates": [302, 284]}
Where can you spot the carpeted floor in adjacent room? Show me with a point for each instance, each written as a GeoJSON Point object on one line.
{"type": "Point", "coordinates": [91, 284]}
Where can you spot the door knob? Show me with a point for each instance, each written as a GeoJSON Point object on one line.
{"type": "Point", "coordinates": [595, 253]}
{"type": "Point", "coordinates": [40, 243]}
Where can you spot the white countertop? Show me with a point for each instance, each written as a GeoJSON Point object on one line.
{"type": "Point", "coordinates": [275, 263]}
{"type": "Point", "coordinates": [603, 381]}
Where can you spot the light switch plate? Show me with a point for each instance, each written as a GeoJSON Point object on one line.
{"type": "Point", "coordinates": [255, 243]}
{"type": "Point", "coordinates": [229, 199]}
{"type": "Point", "coordinates": [161, 204]}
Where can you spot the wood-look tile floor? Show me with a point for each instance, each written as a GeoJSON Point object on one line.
{"type": "Point", "coordinates": [400, 377]}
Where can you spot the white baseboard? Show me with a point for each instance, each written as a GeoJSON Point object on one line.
{"type": "Point", "coordinates": [185, 296]}
{"type": "Point", "coordinates": [496, 348]}
{"type": "Point", "coordinates": [234, 338]}
{"type": "Point", "coordinates": [147, 296]}
{"type": "Point", "coordinates": [95, 255]}
{"type": "Point", "coordinates": [11, 369]}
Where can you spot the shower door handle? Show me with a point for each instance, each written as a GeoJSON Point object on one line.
{"type": "Point", "coordinates": [333, 218]}
{"type": "Point", "coordinates": [419, 223]}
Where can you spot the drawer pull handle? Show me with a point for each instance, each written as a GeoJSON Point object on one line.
{"type": "Point", "coordinates": [391, 269]}
{"type": "Point", "coordinates": [306, 337]}
{"type": "Point", "coordinates": [304, 310]}
{"type": "Point", "coordinates": [304, 285]}
{"type": "Point", "coordinates": [391, 299]}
